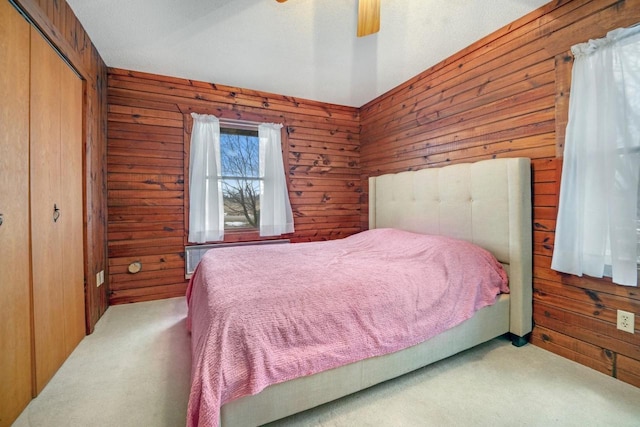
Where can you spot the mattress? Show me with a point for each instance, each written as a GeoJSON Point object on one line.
{"type": "Point", "coordinates": [264, 315]}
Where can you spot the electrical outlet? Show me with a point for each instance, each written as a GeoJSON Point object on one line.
{"type": "Point", "coordinates": [99, 278]}
{"type": "Point", "coordinates": [626, 321]}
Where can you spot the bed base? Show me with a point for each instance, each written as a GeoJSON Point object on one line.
{"type": "Point", "coordinates": [519, 341]}
{"type": "Point", "coordinates": [284, 399]}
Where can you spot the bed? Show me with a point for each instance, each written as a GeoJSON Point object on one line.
{"type": "Point", "coordinates": [487, 203]}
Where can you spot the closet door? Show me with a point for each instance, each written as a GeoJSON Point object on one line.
{"type": "Point", "coordinates": [15, 309]}
{"type": "Point", "coordinates": [56, 209]}
{"type": "Point", "coordinates": [71, 196]}
{"type": "Point", "coordinates": [48, 307]}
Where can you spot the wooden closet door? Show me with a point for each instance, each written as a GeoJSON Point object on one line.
{"type": "Point", "coordinates": [46, 234]}
{"type": "Point", "coordinates": [15, 307]}
{"type": "Point", "coordinates": [72, 251]}
{"type": "Point", "coordinates": [56, 209]}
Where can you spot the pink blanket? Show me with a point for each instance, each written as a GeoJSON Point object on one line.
{"type": "Point", "coordinates": [262, 315]}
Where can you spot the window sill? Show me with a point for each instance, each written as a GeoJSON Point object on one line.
{"type": "Point", "coordinates": [241, 235]}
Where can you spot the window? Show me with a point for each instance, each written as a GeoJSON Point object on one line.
{"type": "Point", "coordinates": [638, 228]}
{"type": "Point", "coordinates": [239, 158]}
{"type": "Point", "coordinates": [598, 227]}
{"type": "Point", "coordinates": [236, 179]}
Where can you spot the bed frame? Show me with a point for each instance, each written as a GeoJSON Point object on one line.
{"type": "Point", "coordinates": [487, 203]}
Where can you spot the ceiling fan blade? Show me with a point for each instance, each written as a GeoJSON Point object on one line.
{"type": "Point", "coordinates": [368, 17]}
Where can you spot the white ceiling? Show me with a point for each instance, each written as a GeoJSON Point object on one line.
{"type": "Point", "coordinates": [301, 48]}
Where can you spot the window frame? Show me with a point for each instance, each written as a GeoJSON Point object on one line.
{"type": "Point", "coordinates": [225, 116]}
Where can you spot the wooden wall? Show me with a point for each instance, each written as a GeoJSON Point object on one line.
{"type": "Point", "coordinates": [148, 126]}
{"type": "Point", "coordinates": [60, 25]}
{"type": "Point", "coordinates": [507, 96]}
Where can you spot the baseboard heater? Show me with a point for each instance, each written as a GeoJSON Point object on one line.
{"type": "Point", "coordinates": [194, 253]}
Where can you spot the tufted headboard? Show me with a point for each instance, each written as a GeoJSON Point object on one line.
{"type": "Point", "coordinates": [487, 203]}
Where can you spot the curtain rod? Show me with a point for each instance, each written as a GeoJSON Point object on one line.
{"type": "Point", "coordinates": [239, 124]}
{"type": "Point", "coordinates": [631, 33]}
{"type": "Point", "coordinates": [242, 124]}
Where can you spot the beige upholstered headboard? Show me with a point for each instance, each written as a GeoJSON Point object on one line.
{"type": "Point", "coordinates": [487, 203]}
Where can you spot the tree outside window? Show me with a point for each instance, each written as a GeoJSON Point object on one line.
{"type": "Point", "coordinates": [239, 157]}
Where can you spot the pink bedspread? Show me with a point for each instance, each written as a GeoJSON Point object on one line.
{"type": "Point", "coordinates": [261, 315]}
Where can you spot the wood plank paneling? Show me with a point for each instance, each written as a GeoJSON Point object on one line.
{"type": "Point", "coordinates": [628, 370]}
{"type": "Point", "coordinates": [149, 131]}
{"type": "Point", "coordinates": [508, 95]}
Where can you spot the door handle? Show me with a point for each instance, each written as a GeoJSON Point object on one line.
{"type": "Point", "coordinates": [56, 213]}
{"type": "Point", "coordinates": [1, 218]}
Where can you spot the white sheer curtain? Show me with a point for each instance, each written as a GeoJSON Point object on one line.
{"type": "Point", "coordinates": [276, 216]}
{"type": "Point", "coordinates": [206, 209]}
{"type": "Point", "coordinates": [597, 217]}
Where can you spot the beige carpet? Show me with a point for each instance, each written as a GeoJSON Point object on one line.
{"type": "Point", "coordinates": [134, 371]}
